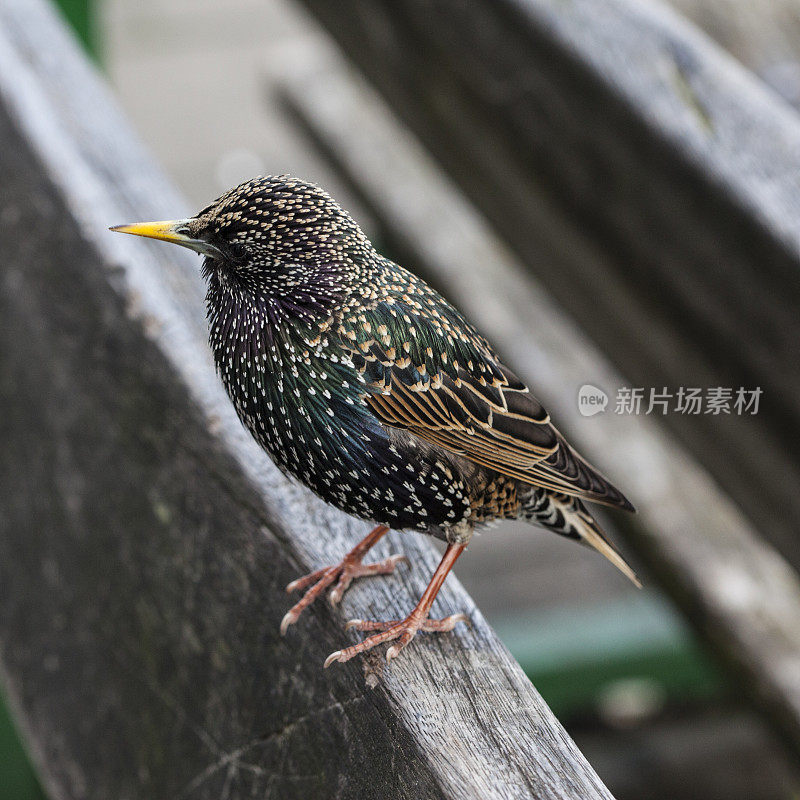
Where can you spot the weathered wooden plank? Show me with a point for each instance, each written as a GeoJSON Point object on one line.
{"type": "Point", "coordinates": [643, 176]}
{"type": "Point", "coordinates": [145, 540]}
{"type": "Point", "coordinates": [737, 591]}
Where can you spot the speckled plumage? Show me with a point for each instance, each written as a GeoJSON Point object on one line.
{"type": "Point", "coordinates": [365, 384]}
{"type": "Point", "coordinates": [326, 348]}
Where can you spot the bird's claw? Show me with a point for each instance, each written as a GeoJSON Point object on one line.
{"type": "Point", "coordinates": [403, 631]}
{"type": "Point", "coordinates": [331, 658]}
{"type": "Point", "coordinates": [343, 573]}
{"type": "Point", "coordinates": [306, 580]}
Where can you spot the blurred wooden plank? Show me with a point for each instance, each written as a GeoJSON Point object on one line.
{"type": "Point", "coordinates": [692, 754]}
{"type": "Point", "coordinates": [736, 590]}
{"type": "Point", "coordinates": [764, 35]}
{"type": "Point", "coordinates": [145, 539]}
{"type": "Point", "coordinates": [643, 176]}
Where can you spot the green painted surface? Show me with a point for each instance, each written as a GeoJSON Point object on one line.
{"type": "Point", "coordinates": [574, 655]}
{"type": "Point", "coordinates": [82, 16]}
{"type": "Point", "coordinates": [17, 778]}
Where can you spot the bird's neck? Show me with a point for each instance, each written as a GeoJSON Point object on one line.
{"type": "Point", "coordinates": [296, 294]}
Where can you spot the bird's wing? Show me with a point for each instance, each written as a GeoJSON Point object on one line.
{"type": "Point", "coordinates": [429, 372]}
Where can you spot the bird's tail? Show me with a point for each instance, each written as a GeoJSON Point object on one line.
{"type": "Point", "coordinates": [569, 517]}
{"type": "Point", "coordinates": [594, 536]}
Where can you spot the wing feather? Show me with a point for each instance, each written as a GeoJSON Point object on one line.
{"type": "Point", "coordinates": [429, 372]}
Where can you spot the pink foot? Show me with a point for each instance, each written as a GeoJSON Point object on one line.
{"type": "Point", "coordinates": [350, 567]}
{"type": "Point", "coordinates": [403, 631]}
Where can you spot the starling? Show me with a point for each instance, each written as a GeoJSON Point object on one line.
{"type": "Point", "coordinates": [365, 384]}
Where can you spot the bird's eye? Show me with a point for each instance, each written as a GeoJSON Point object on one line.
{"type": "Point", "coordinates": [236, 250]}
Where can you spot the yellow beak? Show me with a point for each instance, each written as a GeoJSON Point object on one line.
{"type": "Point", "coordinates": [175, 231]}
{"type": "Point", "coordinates": [167, 230]}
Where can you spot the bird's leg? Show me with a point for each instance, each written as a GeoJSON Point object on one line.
{"type": "Point", "coordinates": [343, 573]}
{"type": "Point", "coordinates": [404, 630]}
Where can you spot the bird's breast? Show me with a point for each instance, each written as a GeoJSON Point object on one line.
{"type": "Point", "coordinates": [303, 400]}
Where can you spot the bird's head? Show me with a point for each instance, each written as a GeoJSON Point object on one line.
{"type": "Point", "coordinates": [275, 238]}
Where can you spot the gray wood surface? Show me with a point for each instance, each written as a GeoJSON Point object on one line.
{"type": "Point", "coordinates": [145, 540]}
{"type": "Point", "coordinates": [763, 34]}
{"type": "Point", "coordinates": [738, 592]}
{"type": "Point", "coordinates": [643, 176]}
